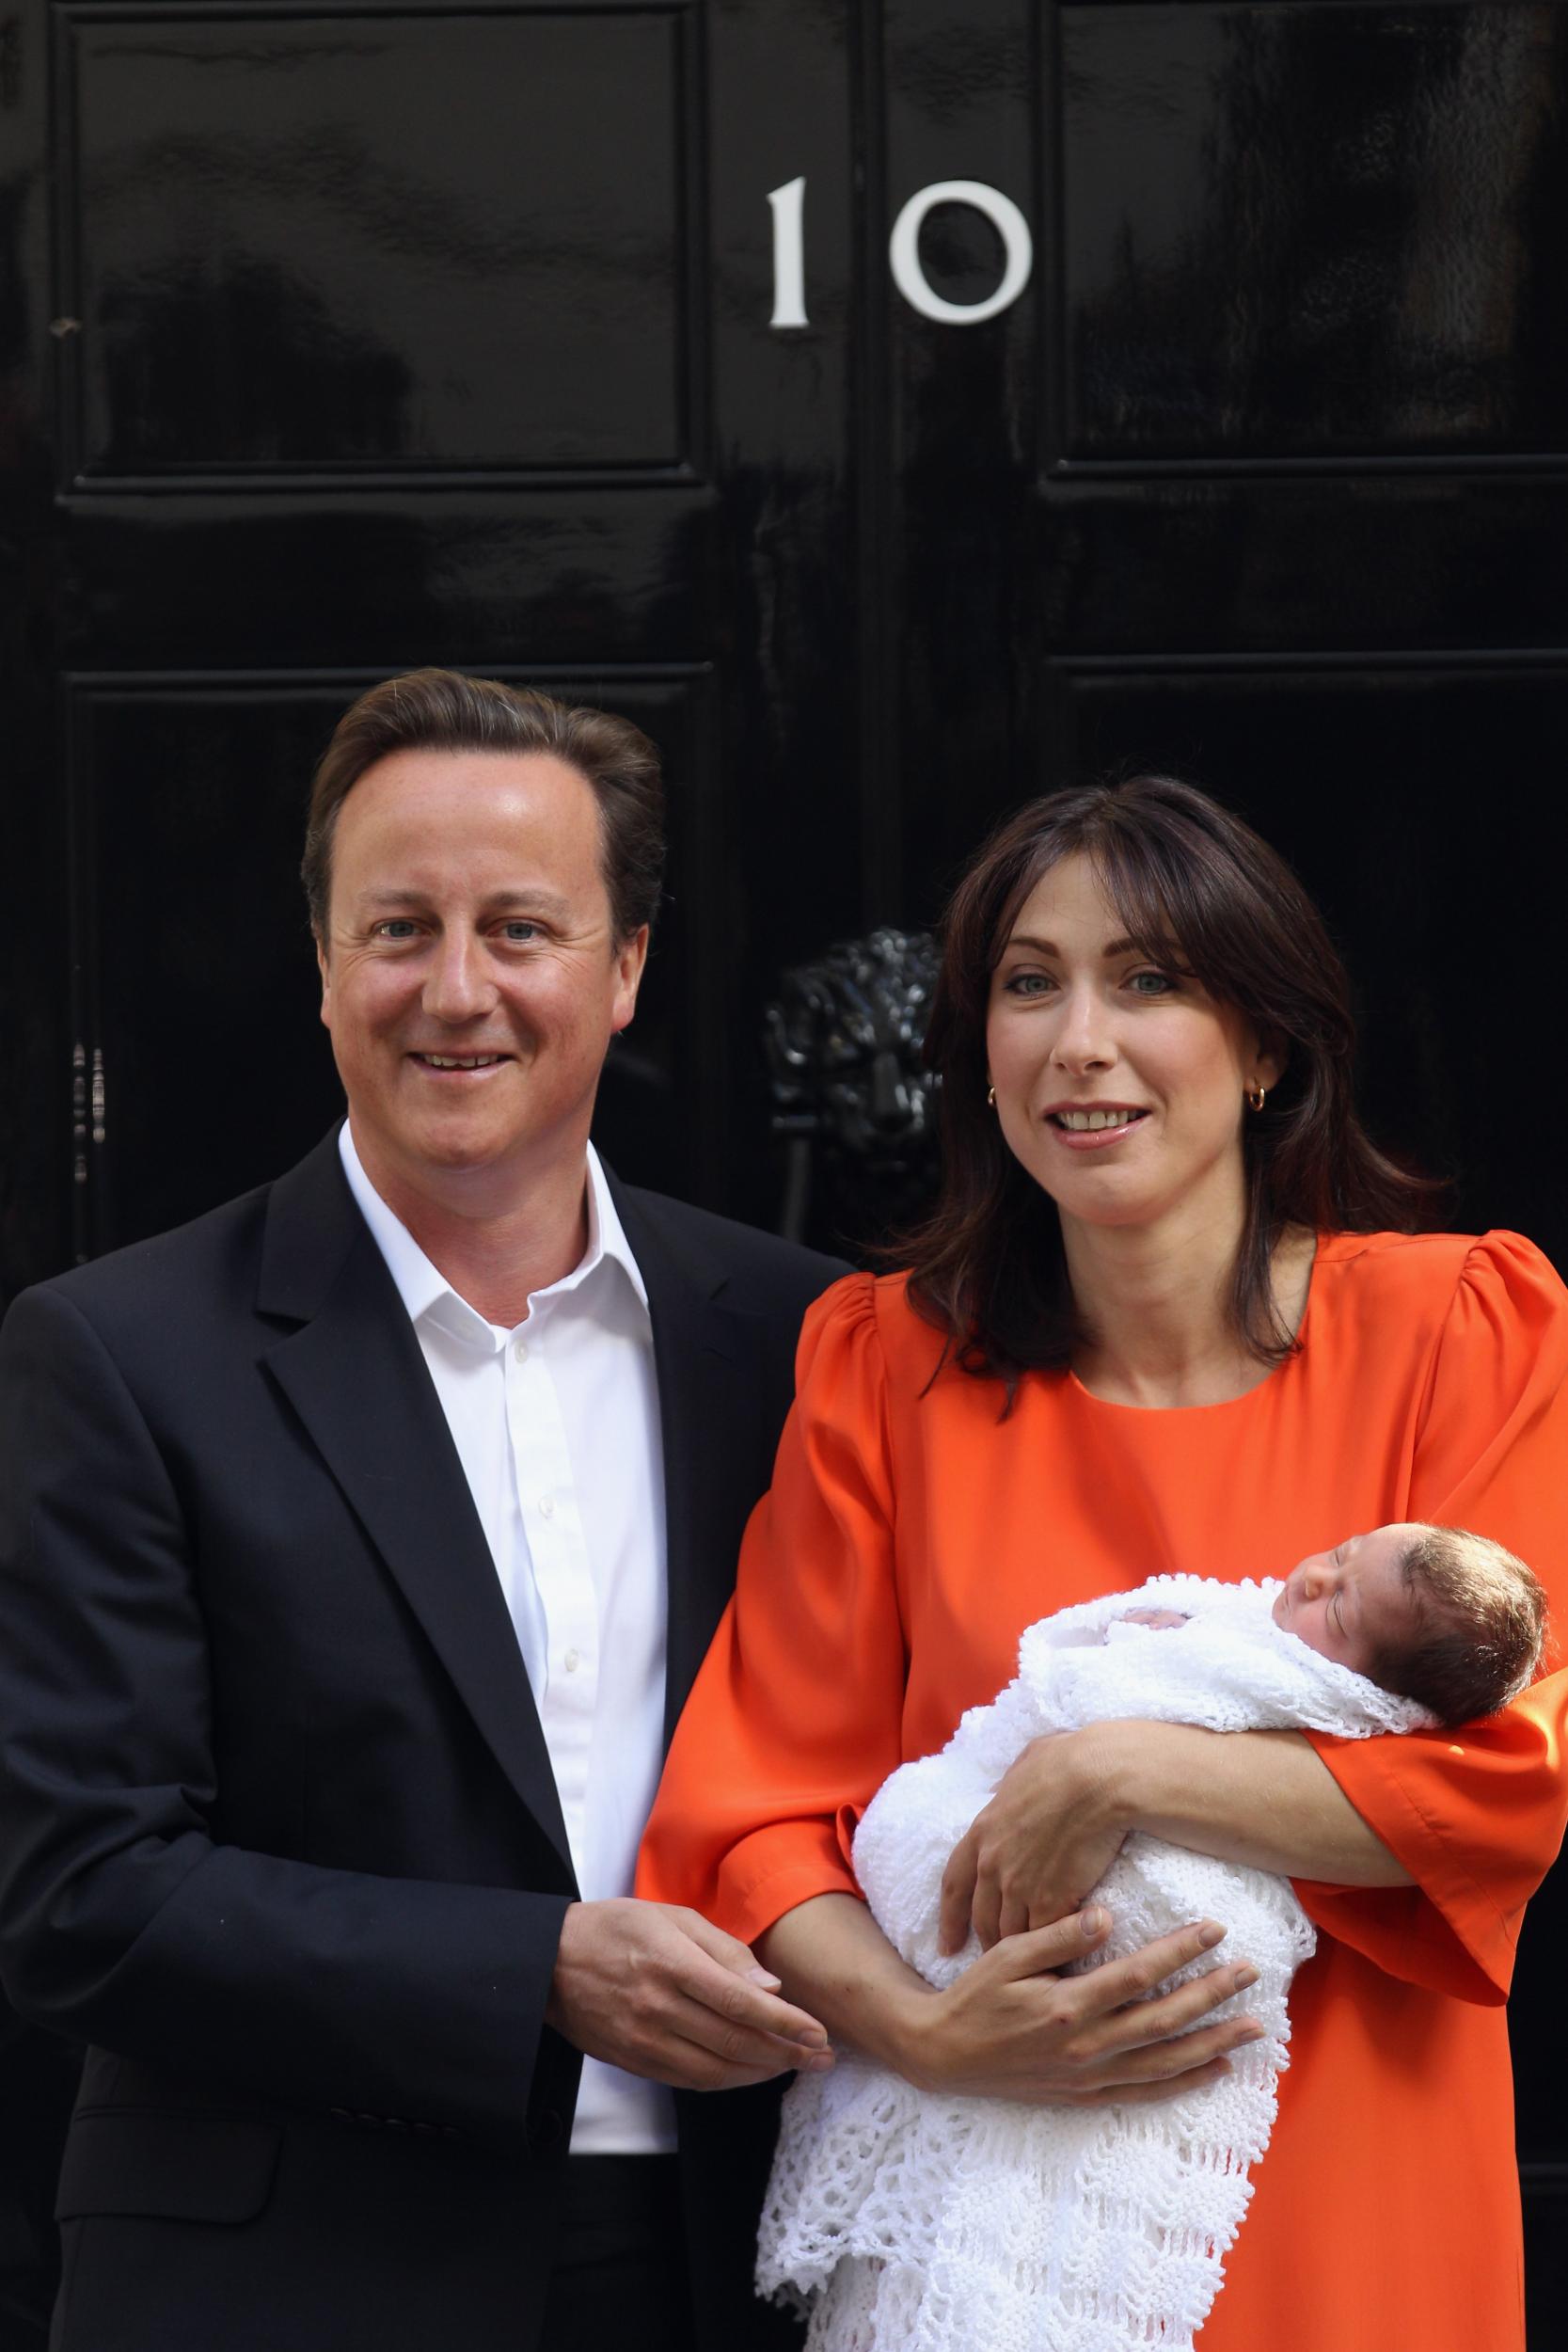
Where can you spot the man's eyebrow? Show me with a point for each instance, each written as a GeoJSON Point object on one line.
{"type": "Point", "coordinates": [527, 899]}
{"type": "Point", "coordinates": [524, 898]}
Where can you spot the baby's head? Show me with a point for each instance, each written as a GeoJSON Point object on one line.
{"type": "Point", "coordinates": [1433, 1614]}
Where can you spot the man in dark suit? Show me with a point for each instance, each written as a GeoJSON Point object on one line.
{"type": "Point", "coordinates": [358, 1543]}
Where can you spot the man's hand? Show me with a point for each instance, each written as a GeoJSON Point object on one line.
{"type": "Point", "coordinates": [662, 1993]}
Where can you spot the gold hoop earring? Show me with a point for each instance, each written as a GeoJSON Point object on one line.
{"type": "Point", "coordinates": [991, 1098]}
{"type": "Point", "coordinates": [1257, 1097]}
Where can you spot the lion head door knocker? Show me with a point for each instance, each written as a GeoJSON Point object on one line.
{"type": "Point", "coordinates": [852, 1094]}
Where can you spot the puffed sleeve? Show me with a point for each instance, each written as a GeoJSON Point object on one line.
{"type": "Point", "coordinates": [794, 1719]}
{"type": "Point", "coordinates": [1477, 1814]}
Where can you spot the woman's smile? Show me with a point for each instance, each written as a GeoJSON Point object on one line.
{"type": "Point", "coordinates": [1092, 1127]}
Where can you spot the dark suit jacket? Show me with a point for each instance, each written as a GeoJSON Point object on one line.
{"type": "Point", "coordinates": [280, 1837]}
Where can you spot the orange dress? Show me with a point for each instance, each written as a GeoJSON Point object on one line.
{"type": "Point", "coordinates": [910, 1535]}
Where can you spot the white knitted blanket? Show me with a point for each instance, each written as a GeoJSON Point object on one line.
{"type": "Point", "coordinates": [916, 2222]}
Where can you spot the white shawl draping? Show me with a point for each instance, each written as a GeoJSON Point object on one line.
{"type": "Point", "coordinates": [918, 2223]}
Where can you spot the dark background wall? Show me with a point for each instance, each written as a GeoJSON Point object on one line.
{"type": "Point", "coordinates": [338, 338]}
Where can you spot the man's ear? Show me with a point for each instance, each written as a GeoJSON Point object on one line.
{"type": "Point", "coordinates": [631, 956]}
{"type": "Point", "coordinates": [323, 968]}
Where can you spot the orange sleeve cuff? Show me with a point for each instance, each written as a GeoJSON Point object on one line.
{"type": "Point", "coordinates": [774, 1870]}
{"type": "Point", "coordinates": [1475, 1815]}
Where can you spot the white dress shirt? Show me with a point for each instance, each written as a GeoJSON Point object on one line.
{"type": "Point", "coordinates": [556, 1424]}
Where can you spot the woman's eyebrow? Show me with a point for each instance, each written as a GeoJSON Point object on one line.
{"type": "Point", "coordinates": [1048, 947]}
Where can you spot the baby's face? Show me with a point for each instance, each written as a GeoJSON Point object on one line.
{"type": "Point", "coordinates": [1348, 1603]}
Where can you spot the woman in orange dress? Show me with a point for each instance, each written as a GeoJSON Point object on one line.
{"type": "Point", "coordinates": [1158, 1322]}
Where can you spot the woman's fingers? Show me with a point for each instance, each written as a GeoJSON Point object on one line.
{"type": "Point", "coordinates": [1041, 1951]}
{"type": "Point", "coordinates": [1131, 2031]}
{"type": "Point", "coordinates": [1014, 2026]}
{"type": "Point", "coordinates": [1175, 2061]}
{"type": "Point", "coordinates": [1011, 1920]}
{"type": "Point", "coordinates": [1143, 1972]}
{"type": "Point", "coordinates": [1150, 2093]}
{"type": "Point", "coordinates": [957, 1895]}
{"type": "Point", "coordinates": [1177, 2011]}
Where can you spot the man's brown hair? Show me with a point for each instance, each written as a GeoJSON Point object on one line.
{"type": "Point", "coordinates": [446, 711]}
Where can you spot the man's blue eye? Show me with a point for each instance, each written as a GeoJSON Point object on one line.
{"type": "Point", "coordinates": [397, 927]}
{"type": "Point", "coordinates": [522, 930]}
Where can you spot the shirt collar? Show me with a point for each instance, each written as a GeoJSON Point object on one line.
{"type": "Point", "coordinates": [424, 1289]}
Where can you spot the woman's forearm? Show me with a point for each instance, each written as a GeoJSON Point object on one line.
{"type": "Point", "coordinates": [1260, 1797]}
{"type": "Point", "coordinates": [859, 1987]}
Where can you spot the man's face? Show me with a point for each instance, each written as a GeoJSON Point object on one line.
{"type": "Point", "coordinates": [471, 979]}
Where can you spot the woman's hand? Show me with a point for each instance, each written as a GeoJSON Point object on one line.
{"type": "Point", "coordinates": [1048, 1835]}
{"type": "Point", "coordinates": [1012, 2029]}
{"type": "Point", "coordinates": [1059, 1813]}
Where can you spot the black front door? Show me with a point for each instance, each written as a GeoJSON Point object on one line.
{"type": "Point", "coordinates": [896, 408]}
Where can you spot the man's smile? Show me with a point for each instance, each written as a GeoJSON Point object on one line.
{"type": "Point", "coordinates": [460, 1063]}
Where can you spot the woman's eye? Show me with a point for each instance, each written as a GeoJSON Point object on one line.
{"type": "Point", "coordinates": [1028, 984]}
{"type": "Point", "coordinates": [1152, 983]}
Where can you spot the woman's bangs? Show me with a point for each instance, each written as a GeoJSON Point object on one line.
{"type": "Point", "coordinates": [1147, 906]}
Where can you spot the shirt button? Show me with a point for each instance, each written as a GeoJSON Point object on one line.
{"type": "Point", "coordinates": [546, 1508]}
{"type": "Point", "coordinates": [519, 1349]}
{"type": "Point", "coordinates": [572, 1661]}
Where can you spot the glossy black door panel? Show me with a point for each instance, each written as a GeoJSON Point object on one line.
{"type": "Point", "coordinates": [378, 241]}
{"type": "Point", "coordinates": [960, 574]}
{"type": "Point", "coordinates": [1413, 562]}
{"type": "Point", "coordinates": [386, 579]}
{"type": "Point", "coordinates": [1312, 233]}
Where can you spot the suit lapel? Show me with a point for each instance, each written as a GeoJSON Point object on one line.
{"type": "Point", "coordinates": [354, 1374]}
{"type": "Point", "coordinates": [707, 1415]}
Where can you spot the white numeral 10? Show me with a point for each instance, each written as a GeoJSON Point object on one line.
{"type": "Point", "coordinates": [788, 205]}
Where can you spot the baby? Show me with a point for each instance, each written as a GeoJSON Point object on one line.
{"type": "Point", "coordinates": [918, 2223]}
{"type": "Point", "coordinates": [1431, 1614]}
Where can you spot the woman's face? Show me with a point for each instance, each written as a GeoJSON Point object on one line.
{"type": "Point", "coordinates": [1119, 1081]}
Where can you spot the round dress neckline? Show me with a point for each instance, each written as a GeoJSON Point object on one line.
{"type": "Point", "coordinates": [1224, 1403]}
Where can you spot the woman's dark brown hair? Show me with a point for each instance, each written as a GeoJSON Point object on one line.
{"type": "Point", "coordinates": [1184, 876]}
